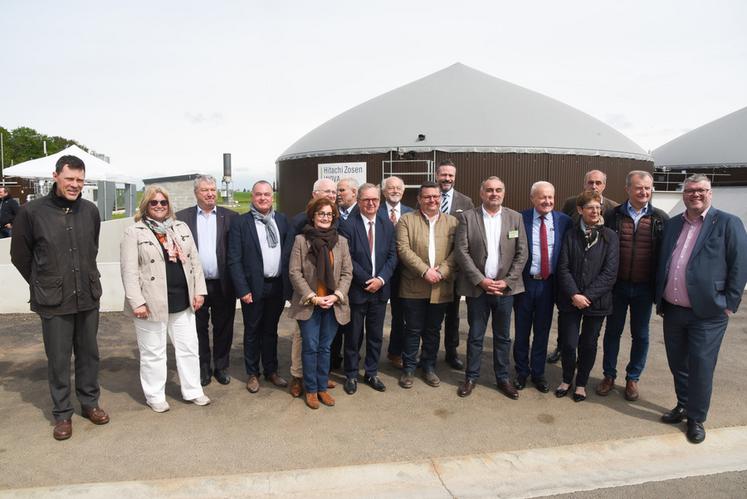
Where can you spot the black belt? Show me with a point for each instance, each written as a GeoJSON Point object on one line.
{"type": "Point", "coordinates": [272, 279]}
{"type": "Point", "coordinates": [538, 277]}
{"type": "Point", "coordinates": [670, 304]}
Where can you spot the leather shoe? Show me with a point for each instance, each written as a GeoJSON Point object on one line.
{"type": "Point", "coordinates": [695, 431]}
{"type": "Point", "coordinates": [96, 415]}
{"type": "Point", "coordinates": [351, 386]}
{"type": "Point", "coordinates": [554, 357]}
{"type": "Point", "coordinates": [252, 384]}
{"type": "Point", "coordinates": [326, 399]}
{"type": "Point", "coordinates": [396, 360]}
{"type": "Point", "coordinates": [520, 382]}
{"type": "Point", "coordinates": [579, 397]}
{"type": "Point", "coordinates": [541, 385]}
{"type": "Point", "coordinates": [431, 378]}
{"type": "Point", "coordinates": [674, 416]}
{"type": "Point", "coordinates": [205, 375]}
{"type": "Point", "coordinates": [605, 386]}
{"type": "Point", "coordinates": [222, 376]}
{"type": "Point", "coordinates": [375, 383]}
{"type": "Point", "coordinates": [296, 387]}
{"type": "Point", "coordinates": [406, 380]}
{"type": "Point", "coordinates": [63, 429]}
{"type": "Point", "coordinates": [465, 388]}
{"type": "Point", "coordinates": [631, 390]}
{"type": "Point", "coordinates": [331, 384]}
{"type": "Point", "coordinates": [508, 390]}
{"type": "Point", "coordinates": [562, 392]}
{"type": "Point", "coordinates": [312, 400]}
{"type": "Point", "coordinates": [276, 380]}
{"type": "Point", "coordinates": [454, 362]}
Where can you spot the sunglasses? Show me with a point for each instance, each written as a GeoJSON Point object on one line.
{"type": "Point", "coordinates": [156, 202]}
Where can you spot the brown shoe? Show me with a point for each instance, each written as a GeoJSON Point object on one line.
{"type": "Point", "coordinates": [312, 401]}
{"type": "Point", "coordinates": [331, 384]}
{"type": "Point", "coordinates": [96, 415]}
{"type": "Point", "coordinates": [252, 384]}
{"type": "Point", "coordinates": [396, 360]}
{"type": "Point", "coordinates": [508, 389]}
{"type": "Point", "coordinates": [326, 399]}
{"type": "Point", "coordinates": [63, 429]}
{"type": "Point", "coordinates": [605, 386]}
{"type": "Point", "coordinates": [296, 387]}
{"type": "Point", "coordinates": [276, 380]}
{"type": "Point", "coordinates": [465, 388]}
{"type": "Point", "coordinates": [631, 390]}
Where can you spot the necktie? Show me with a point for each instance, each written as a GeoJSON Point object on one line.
{"type": "Point", "coordinates": [370, 237]}
{"type": "Point", "coordinates": [393, 216]}
{"type": "Point", "coordinates": [544, 252]}
{"type": "Point", "coordinates": [444, 202]}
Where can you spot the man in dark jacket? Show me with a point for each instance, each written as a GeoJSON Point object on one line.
{"type": "Point", "coordinates": [8, 210]}
{"type": "Point", "coordinates": [54, 247]}
{"type": "Point", "coordinates": [638, 226]}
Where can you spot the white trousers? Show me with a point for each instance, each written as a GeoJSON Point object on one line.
{"type": "Point", "coordinates": [151, 339]}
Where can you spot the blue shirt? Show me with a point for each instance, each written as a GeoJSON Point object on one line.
{"type": "Point", "coordinates": [636, 215]}
{"type": "Point", "coordinates": [207, 230]}
{"type": "Point", "coordinates": [536, 250]}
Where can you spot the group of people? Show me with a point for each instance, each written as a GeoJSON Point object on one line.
{"type": "Point", "coordinates": [348, 254]}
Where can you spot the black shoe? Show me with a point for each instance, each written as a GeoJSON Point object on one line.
{"type": "Point", "coordinates": [520, 382]}
{"type": "Point", "coordinates": [695, 431]}
{"type": "Point", "coordinates": [541, 385]}
{"type": "Point", "coordinates": [351, 386]}
{"type": "Point", "coordinates": [560, 392]}
{"type": "Point", "coordinates": [205, 377]}
{"type": "Point", "coordinates": [454, 362]}
{"type": "Point", "coordinates": [375, 383]}
{"type": "Point", "coordinates": [577, 397]}
{"type": "Point", "coordinates": [405, 381]}
{"type": "Point", "coordinates": [674, 416]}
{"type": "Point", "coordinates": [222, 376]}
{"type": "Point", "coordinates": [554, 356]}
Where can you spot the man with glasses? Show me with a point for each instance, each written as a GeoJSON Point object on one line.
{"type": "Point", "coordinates": [374, 255]}
{"type": "Point", "coordinates": [700, 280]}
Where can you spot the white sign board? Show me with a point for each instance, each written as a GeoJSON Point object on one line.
{"type": "Point", "coordinates": [338, 171]}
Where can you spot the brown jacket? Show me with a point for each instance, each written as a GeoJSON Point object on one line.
{"type": "Point", "coordinates": [412, 251]}
{"type": "Point", "coordinates": [302, 273]}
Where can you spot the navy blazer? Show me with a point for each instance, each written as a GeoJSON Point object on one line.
{"type": "Point", "coordinates": [224, 216]}
{"type": "Point", "coordinates": [245, 255]}
{"type": "Point", "coordinates": [717, 270]}
{"type": "Point", "coordinates": [384, 210]}
{"type": "Point", "coordinates": [561, 223]}
{"type": "Point", "coordinates": [356, 232]}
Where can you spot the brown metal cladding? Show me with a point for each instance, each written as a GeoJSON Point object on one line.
{"type": "Point", "coordinates": [518, 172]}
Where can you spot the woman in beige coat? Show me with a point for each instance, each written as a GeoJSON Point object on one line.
{"type": "Point", "coordinates": [164, 286]}
{"type": "Point", "coordinates": [320, 271]}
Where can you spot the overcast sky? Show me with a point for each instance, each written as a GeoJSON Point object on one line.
{"type": "Point", "coordinates": [166, 87]}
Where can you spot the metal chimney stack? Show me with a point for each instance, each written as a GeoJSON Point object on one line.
{"type": "Point", "coordinates": [227, 181]}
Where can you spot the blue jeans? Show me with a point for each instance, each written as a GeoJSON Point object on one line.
{"type": "Point", "coordinates": [478, 312]}
{"type": "Point", "coordinates": [640, 300]}
{"type": "Point", "coordinates": [317, 333]}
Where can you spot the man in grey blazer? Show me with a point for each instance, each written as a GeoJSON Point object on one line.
{"type": "Point", "coordinates": [209, 225]}
{"type": "Point", "coordinates": [701, 276]}
{"type": "Point", "coordinates": [454, 203]}
{"type": "Point", "coordinates": [491, 250]}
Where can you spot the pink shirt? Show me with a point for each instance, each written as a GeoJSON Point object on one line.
{"type": "Point", "coordinates": [675, 291]}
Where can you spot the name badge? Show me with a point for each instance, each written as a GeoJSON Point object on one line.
{"type": "Point", "coordinates": [513, 234]}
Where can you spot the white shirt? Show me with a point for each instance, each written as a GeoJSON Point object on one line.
{"type": "Point", "coordinates": [449, 199]}
{"type": "Point", "coordinates": [270, 256]}
{"type": "Point", "coordinates": [207, 230]}
{"type": "Point", "coordinates": [535, 268]}
{"type": "Point", "coordinates": [373, 250]}
{"type": "Point", "coordinates": [397, 210]}
{"type": "Point", "coordinates": [493, 239]}
{"type": "Point", "coordinates": [431, 238]}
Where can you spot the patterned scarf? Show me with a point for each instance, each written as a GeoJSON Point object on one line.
{"type": "Point", "coordinates": [272, 236]}
{"type": "Point", "coordinates": [165, 234]}
{"type": "Point", "coordinates": [322, 241]}
{"type": "Point", "coordinates": [591, 232]}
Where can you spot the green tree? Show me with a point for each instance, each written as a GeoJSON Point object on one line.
{"type": "Point", "coordinates": [24, 143]}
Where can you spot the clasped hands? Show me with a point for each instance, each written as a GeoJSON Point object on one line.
{"type": "Point", "coordinates": [493, 287]}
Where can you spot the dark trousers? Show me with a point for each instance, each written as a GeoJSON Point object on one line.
{"type": "Point", "coordinates": [569, 325]}
{"type": "Point", "coordinates": [639, 298]}
{"type": "Point", "coordinates": [479, 310]}
{"type": "Point", "coordinates": [397, 331]}
{"type": "Point", "coordinates": [422, 322]}
{"type": "Point", "coordinates": [692, 346]}
{"type": "Point", "coordinates": [63, 336]}
{"type": "Point", "coordinates": [451, 326]}
{"type": "Point", "coordinates": [371, 316]}
{"type": "Point", "coordinates": [337, 349]}
{"type": "Point", "coordinates": [261, 328]}
{"type": "Point", "coordinates": [533, 309]}
{"type": "Point", "coordinates": [220, 309]}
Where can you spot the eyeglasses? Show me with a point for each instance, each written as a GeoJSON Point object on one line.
{"type": "Point", "coordinates": [327, 191]}
{"type": "Point", "coordinates": [593, 207]}
{"type": "Point", "coordinates": [156, 202]}
{"type": "Point", "coordinates": [325, 214]}
{"type": "Point", "coordinates": [370, 200]}
{"type": "Point", "coordinates": [695, 192]}
{"type": "Point", "coordinates": [434, 196]}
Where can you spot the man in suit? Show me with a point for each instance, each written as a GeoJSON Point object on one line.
{"type": "Point", "coordinates": [374, 255]}
{"type": "Point", "coordinates": [347, 191]}
{"type": "Point", "coordinates": [255, 251]}
{"type": "Point", "coordinates": [210, 225]}
{"type": "Point", "coordinates": [491, 250]}
{"type": "Point", "coordinates": [545, 229]}
{"type": "Point", "coordinates": [594, 181]}
{"type": "Point", "coordinates": [453, 203]}
{"type": "Point", "coordinates": [700, 280]}
{"type": "Point", "coordinates": [393, 209]}
{"type": "Point", "coordinates": [639, 227]}
{"type": "Point", "coordinates": [323, 187]}
{"type": "Point", "coordinates": [425, 247]}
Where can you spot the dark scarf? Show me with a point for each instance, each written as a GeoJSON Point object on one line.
{"type": "Point", "coordinates": [591, 232]}
{"type": "Point", "coordinates": [322, 241]}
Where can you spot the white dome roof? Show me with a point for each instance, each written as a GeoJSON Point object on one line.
{"type": "Point", "coordinates": [722, 142]}
{"type": "Point", "coordinates": [460, 109]}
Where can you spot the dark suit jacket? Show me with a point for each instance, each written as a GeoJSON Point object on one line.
{"type": "Point", "coordinates": [384, 210]}
{"type": "Point", "coordinates": [245, 255]}
{"type": "Point", "coordinates": [561, 223]}
{"type": "Point", "coordinates": [717, 271]}
{"type": "Point", "coordinates": [356, 232]}
{"type": "Point", "coordinates": [223, 220]}
{"type": "Point", "coordinates": [569, 207]}
{"type": "Point", "coordinates": [460, 203]}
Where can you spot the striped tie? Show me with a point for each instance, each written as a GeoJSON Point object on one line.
{"type": "Point", "coordinates": [444, 202]}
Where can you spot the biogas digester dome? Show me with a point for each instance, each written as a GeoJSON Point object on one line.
{"type": "Point", "coordinates": [487, 126]}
